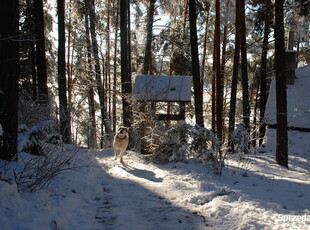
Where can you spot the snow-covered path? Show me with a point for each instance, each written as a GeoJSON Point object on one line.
{"type": "Point", "coordinates": [258, 195]}
{"type": "Point", "coordinates": [136, 197]}
{"type": "Point", "coordinates": [253, 193]}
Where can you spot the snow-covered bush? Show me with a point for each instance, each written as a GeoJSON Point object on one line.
{"type": "Point", "coordinates": [32, 140]}
{"type": "Point", "coordinates": [144, 117]}
{"type": "Point", "coordinates": [179, 142]}
{"type": "Point", "coordinates": [201, 145]}
{"type": "Point", "coordinates": [42, 157]}
{"type": "Point", "coordinates": [36, 172]}
{"type": "Point", "coordinates": [184, 141]}
{"type": "Point", "coordinates": [173, 144]}
{"type": "Point", "coordinates": [241, 138]}
{"type": "Point", "coordinates": [30, 113]}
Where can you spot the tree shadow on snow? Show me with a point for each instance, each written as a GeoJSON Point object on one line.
{"type": "Point", "coordinates": [270, 188]}
{"type": "Point", "coordinates": [141, 173]}
{"type": "Point", "coordinates": [127, 204]}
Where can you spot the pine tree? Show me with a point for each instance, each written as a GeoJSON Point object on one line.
{"type": "Point", "coordinates": [100, 84]}
{"type": "Point", "coordinates": [244, 68]}
{"type": "Point", "coordinates": [282, 139]}
{"type": "Point", "coordinates": [218, 80]}
{"type": "Point", "coordinates": [91, 94]}
{"type": "Point", "coordinates": [263, 73]}
{"type": "Point", "coordinates": [9, 73]}
{"type": "Point", "coordinates": [234, 82]}
{"type": "Point", "coordinates": [198, 91]}
{"type": "Point", "coordinates": [115, 67]}
{"type": "Point", "coordinates": [62, 87]}
{"type": "Point", "coordinates": [40, 52]}
{"type": "Point", "coordinates": [125, 76]}
{"type": "Point", "coordinates": [148, 45]}
{"type": "Point", "coordinates": [31, 55]}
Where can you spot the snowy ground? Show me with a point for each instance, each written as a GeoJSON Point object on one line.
{"type": "Point", "coordinates": [253, 193]}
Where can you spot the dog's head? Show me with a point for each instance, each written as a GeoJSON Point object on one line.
{"type": "Point", "coordinates": [122, 131]}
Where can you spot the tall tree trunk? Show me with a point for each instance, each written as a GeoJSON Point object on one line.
{"type": "Point", "coordinates": [129, 39]}
{"type": "Point", "coordinates": [254, 139]}
{"type": "Point", "coordinates": [68, 64]}
{"type": "Point", "coordinates": [125, 77]}
{"type": "Point", "coordinates": [297, 52]}
{"type": "Point", "coordinates": [99, 83]}
{"type": "Point", "coordinates": [69, 83]}
{"type": "Point", "coordinates": [62, 87]}
{"type": "Point", "coordinates": [33, 73]}
{"type": "Point", "coordinates": [148, 45]}
{"type": "Point", "coordinates": [108, 64]}
{"type": "Point", "coordinates": [9, 73]}
{"type": "Point", "coordinates": [173, 37]}
{"type": "Point", "coordinates": [115, 69]}
{"type": "Point", "coordinates": [71, 80]}
{"type": "Point", "coordinates": [40, 54]}
{"type": "Point", "coordinates": [195, 65]}
{"type": "Point", "coordinates": [222, 77]}
{"type": "Point", "coordinates": [32, 53]}
{"type": "Point", "coordinates": [92, 111]}
{"type": "Point", "coordinates": [219, 87]}
{"type": "Point", "coordinates": [213, 93]}
{"type": "Point", "coordinates": [281, 101]}
{"type": "Point", "coordinates": [205, 47]}
{"type": "Point", "coordinates": [234, 82]}
{"type": "Point", "coordinates": [263, 72]}
{"type": "Point", "coordinates": [185, 15]}
{"type": "Point", "coordinates": [244, 68]}
{"type": "Point", "coordinates": [147, 66]}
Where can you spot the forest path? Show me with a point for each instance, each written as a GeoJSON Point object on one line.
{"type": "Point", "coordinates": [138, 195]}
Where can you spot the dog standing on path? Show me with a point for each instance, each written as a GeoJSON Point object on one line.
{"type": "Point", "coordinates": [120, 144]}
